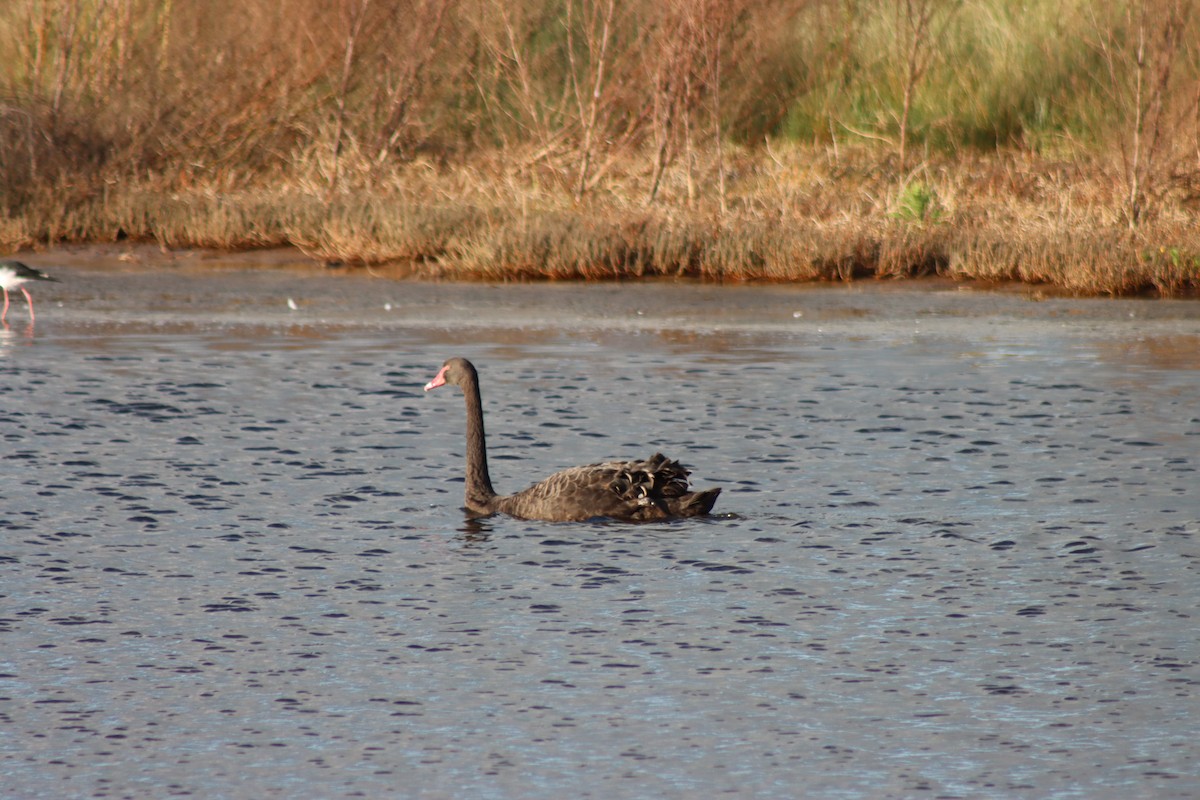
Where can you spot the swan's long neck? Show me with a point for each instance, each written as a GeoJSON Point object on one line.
{"type": "Point", "coordinates": [479, 482]}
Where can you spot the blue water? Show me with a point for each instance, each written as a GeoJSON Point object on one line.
{"type": "Point", "coordinates": [956, 554]}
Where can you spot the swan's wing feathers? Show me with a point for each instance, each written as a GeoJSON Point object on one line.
{"type": "Point", "coordinates": [656, 488]}
{"type": "Point", "coordinates": [657, 476]}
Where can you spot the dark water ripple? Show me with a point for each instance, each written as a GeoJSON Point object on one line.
{"type": "Point", "coordinates": [949, 567]}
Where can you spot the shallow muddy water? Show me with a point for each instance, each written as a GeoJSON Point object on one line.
{"type": "Point", "coordinates": [956, 555]}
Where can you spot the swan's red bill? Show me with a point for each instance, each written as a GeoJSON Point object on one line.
{"type": "Point", "coordinates": [438, 380]}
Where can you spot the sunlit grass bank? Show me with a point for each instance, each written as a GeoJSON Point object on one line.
{"type": "Point", "coordinates": [801, 215]}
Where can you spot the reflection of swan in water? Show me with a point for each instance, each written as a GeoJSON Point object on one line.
{"type": "Point", "coordinates": [654, 489]}
{"type": "Point", "coordinates": [12, 275]}
{"type": "Point", "coordinates": [475, 530]}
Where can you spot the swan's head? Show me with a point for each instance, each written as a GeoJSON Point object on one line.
{"type": "Point", "coordinates": [458, 371]}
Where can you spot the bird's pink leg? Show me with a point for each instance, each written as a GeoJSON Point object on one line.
{"type": "Point", "coordinates": [5, 314]}
{"type": "Point", "coordinates": [28, 300]}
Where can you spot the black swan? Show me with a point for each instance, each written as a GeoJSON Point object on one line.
{"type": "Point", "coordinates": [654, 489]}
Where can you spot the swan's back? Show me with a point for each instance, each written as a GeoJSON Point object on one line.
{"type": "Point", "coordinates": [656, 488]}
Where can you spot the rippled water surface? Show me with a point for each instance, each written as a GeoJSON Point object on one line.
{"type": "Point", "coordinates": [956, 555]}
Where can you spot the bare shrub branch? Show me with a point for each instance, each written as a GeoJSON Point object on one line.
{"type": "Point", "coordinates": [1140, 51]}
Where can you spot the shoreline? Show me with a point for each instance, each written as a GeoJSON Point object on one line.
{"type": "Point", "coordinates": [139, 256]}
{"type": "Point", "coordinates": [144, 290]}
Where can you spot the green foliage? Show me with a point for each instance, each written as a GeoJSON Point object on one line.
{"type": "Point", "coordinates": [918, 202]}
{"type": "Point", "coordinates": [1174, 257]}
{"type": "Point", "coordinates": [999, 74]}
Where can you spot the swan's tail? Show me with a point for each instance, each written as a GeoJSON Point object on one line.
{"type": "Point", "coordinates": [694, 504]}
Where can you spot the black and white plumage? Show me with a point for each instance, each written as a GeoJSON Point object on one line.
{"type": "Point", "coordinates": [12, 275]}
{"type": "Point", "coordinates": [653, 489]}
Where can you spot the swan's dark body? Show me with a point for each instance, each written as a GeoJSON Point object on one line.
{"type": "Point", "coordinates": [654, 489]}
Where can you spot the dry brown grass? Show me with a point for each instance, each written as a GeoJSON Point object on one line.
{"type": "Point", "coordinates": [597, 140]}
{"type": "Point", "coordinates": [801, 214]}
{"type": "Point", "coordinates": [797, 214]}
